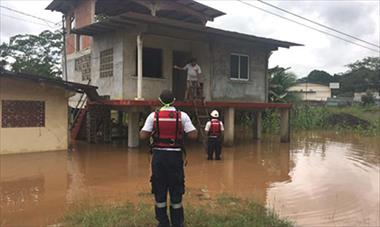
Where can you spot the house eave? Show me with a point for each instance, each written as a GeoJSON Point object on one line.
{"type": "Point", "coordinates": [134, 20]}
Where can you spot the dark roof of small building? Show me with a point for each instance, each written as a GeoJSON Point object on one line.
{"type": "Point", "coordinates": [134, 19]}
{"type": "Point", "coordinates": [64, 5]}
{"type": "Point", "coordinates": [71, 86]}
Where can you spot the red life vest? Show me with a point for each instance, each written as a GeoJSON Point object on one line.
{"type": "Point", "coordinates": [215, 128]}
{"type": "Point", "coordinates": [167, 129]}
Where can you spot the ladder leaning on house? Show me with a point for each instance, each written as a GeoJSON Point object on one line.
{"type": "Point", "coordinates": [77, 122]}
{"type": "Point", "coordinates": [201, 115]}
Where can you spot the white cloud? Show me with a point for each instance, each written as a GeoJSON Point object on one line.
{"type": "Point", "coordinates": [359, 18]}
{"type": "Point", "coordinates": [12, 23]}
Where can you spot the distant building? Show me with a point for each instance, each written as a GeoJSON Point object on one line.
{"type": "Point", "coordinates": [311, 91]}
{"type": "Point", "coordinates": [339, 101]}
{"type": "Point", "coordinates": [358, 96]}
{"type": "Point", "coordinates": [34, 112]}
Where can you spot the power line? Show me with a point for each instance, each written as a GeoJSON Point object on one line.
{"type": "Point", "coordinates": [319, 24]}
{"type": "Point", "coordinates": [20, 19]}
{"type": "Point", "coordinates": [316, 29]}
{"type": "Point", "coordinates": [29, 15]}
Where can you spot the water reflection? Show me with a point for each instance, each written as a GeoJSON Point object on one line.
{"type": "Point", "coordinates": [319, 179]}
{"type": "Point", "coordinates": [334, 182]}
{"type": "Point", "coordinates": [32, 188]}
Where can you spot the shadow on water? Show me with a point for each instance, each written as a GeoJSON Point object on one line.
{"type": "Point", "coordinates": [321, 178]}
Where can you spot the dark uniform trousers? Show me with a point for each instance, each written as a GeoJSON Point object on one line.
{"type": "Point", "coordinates": [168, 176]}
{"type": "Point", "coordinates": [214, 145]}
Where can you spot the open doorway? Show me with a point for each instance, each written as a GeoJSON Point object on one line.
{"type": "Point", "coordinates": [180, 58]}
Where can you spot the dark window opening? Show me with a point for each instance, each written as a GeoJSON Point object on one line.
{"type": "Point", "coordinates": [234, 66]}
{"type": "Point", "coordinates": [77, 43]}
{"type": "Point", "coordinates": [152, 62]}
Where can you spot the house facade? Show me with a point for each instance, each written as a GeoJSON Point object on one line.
{"type": "Point", "coordinates": [33, 117]}
{"type": "Point", "coordinates": [128, 49]}
{"type": "Point", "coordinates": [34, 112]}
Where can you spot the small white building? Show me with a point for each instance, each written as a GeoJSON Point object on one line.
{"type": "Point", "coordinates": [311, 91]}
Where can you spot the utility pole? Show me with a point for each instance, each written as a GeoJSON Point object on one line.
{"type": "Point", "coordinates": [65, 75]}
{"type": "Point", "coordinates": [64, 47]}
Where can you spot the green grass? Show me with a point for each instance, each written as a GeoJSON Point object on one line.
{"type": "Point", "coordinates": [225, 211]}
{"type": "Point", "coordinates": [305, 117]}
{"type": "Point", "coordinates": [369, 113]}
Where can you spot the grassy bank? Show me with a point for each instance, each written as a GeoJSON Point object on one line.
{"type": "Point", "coordinates": [223, 212]}
{"type": "Point", "coordinates": [362, 120]}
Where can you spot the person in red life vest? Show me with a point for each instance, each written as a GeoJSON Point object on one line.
{"type": "Point", "coordinates": [214, 129]}
{"type": "Point", "coordinates": [167, 128]}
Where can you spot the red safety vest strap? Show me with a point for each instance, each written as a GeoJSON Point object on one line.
{"type": "Point", "coordinates": [167, 129]}
{"type": "Point", "coordinates": [215, 128]}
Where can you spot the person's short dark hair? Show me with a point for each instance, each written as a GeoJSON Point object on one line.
{"type": "Point", "coordinates": [167, 96]}
{"type": "Point", "coordinates": [193, 60]}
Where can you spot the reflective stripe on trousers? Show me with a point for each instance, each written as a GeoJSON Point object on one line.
{"type": "Point", "coordinates": [161, 205]}
{"type": "Point", "coordinates": [176, 205]}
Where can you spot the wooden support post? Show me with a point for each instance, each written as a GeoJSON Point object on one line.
{"type": "Point", "coordinates": [257, 126]}
{"type": "Point", "coordinates": [106, 125]}
{"type": "Point", "coordinates": [229, 128]}
{"type": "Point", "coordinates": [285, 126]}
{"type": "Point", "coordinates": [91, 123]}
{"type": "Point", "coordinates": [133, 129]}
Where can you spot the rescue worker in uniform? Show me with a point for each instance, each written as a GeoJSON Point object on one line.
{"type": "Point", "coordinates": [167, 128]}
{"type": "Point", "coordinates": [214, 129]}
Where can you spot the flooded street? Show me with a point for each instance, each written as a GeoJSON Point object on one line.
{"type": "Point", "coordinates": [320, 179]}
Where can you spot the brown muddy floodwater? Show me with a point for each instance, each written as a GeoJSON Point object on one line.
{"type": "Point", "coordinates": [320, 179]}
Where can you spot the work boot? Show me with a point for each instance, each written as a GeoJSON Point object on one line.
{"type": "Point", "coordinates": [209, 158]}
{"type": "Point", "coordinates": [218, 158]}
{"type": "Point", "coordinates": [176, 217]}
{"type": "Point", "coordinates": [162, 217]}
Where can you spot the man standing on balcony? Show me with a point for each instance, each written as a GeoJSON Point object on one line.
{"type": "Point", "coordinates": [167, 127]}
{"type": "Point", "coordinates": [194, 73]}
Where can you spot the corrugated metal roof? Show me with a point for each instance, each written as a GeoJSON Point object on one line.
{"type": "Point", "coordinates": [77, 87]}
{"type": "Point", "coordinates": [64, 5]}
{"type": "Point", "coordinates": [129, 20]}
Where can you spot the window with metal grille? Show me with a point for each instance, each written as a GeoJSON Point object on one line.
{"type": "Point", "coordinates": [239, 67]}
{"type": "Point", "coordinates": [106, 63]}
{"type": "Point", "coordinates": [83, 65]}
{"type": "Point", "coordinates": [19, 113]}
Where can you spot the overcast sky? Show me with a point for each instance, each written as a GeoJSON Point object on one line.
{"type": "Point", "coordinates": [358, 18]}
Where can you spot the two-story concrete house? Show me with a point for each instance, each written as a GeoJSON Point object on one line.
{"type": "Point", "coordinates": [128, 49]}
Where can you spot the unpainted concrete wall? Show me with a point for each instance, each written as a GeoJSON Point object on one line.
{"type": "Point", "coordinates": [74, 75]}
{"type": "Point", "coordinates": [152, 87]}
{"type": "Point", "coordinates": [35, 139]}
{"type": "Point", "coordinates": [84, 14]}
{"type": "Point", "coordinates": [213, 57]}
{"type": "Point", "coordinates": [225, 89]}
{"type": "Point", "coordinates": [112, 86]}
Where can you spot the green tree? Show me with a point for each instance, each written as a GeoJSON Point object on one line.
{"type": "Point", "coordinates": [370, 63]}
{"type": "Point", "coordinates": [35, 54]}
{"type": "Point", "coordinates": [362, 75]}
{"type": "Point", "coordinates": [318, 77]}
{"type": "Point", "coordinates": [368, 98]}
{"type": "Point", "coordinates": [280, 81]}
